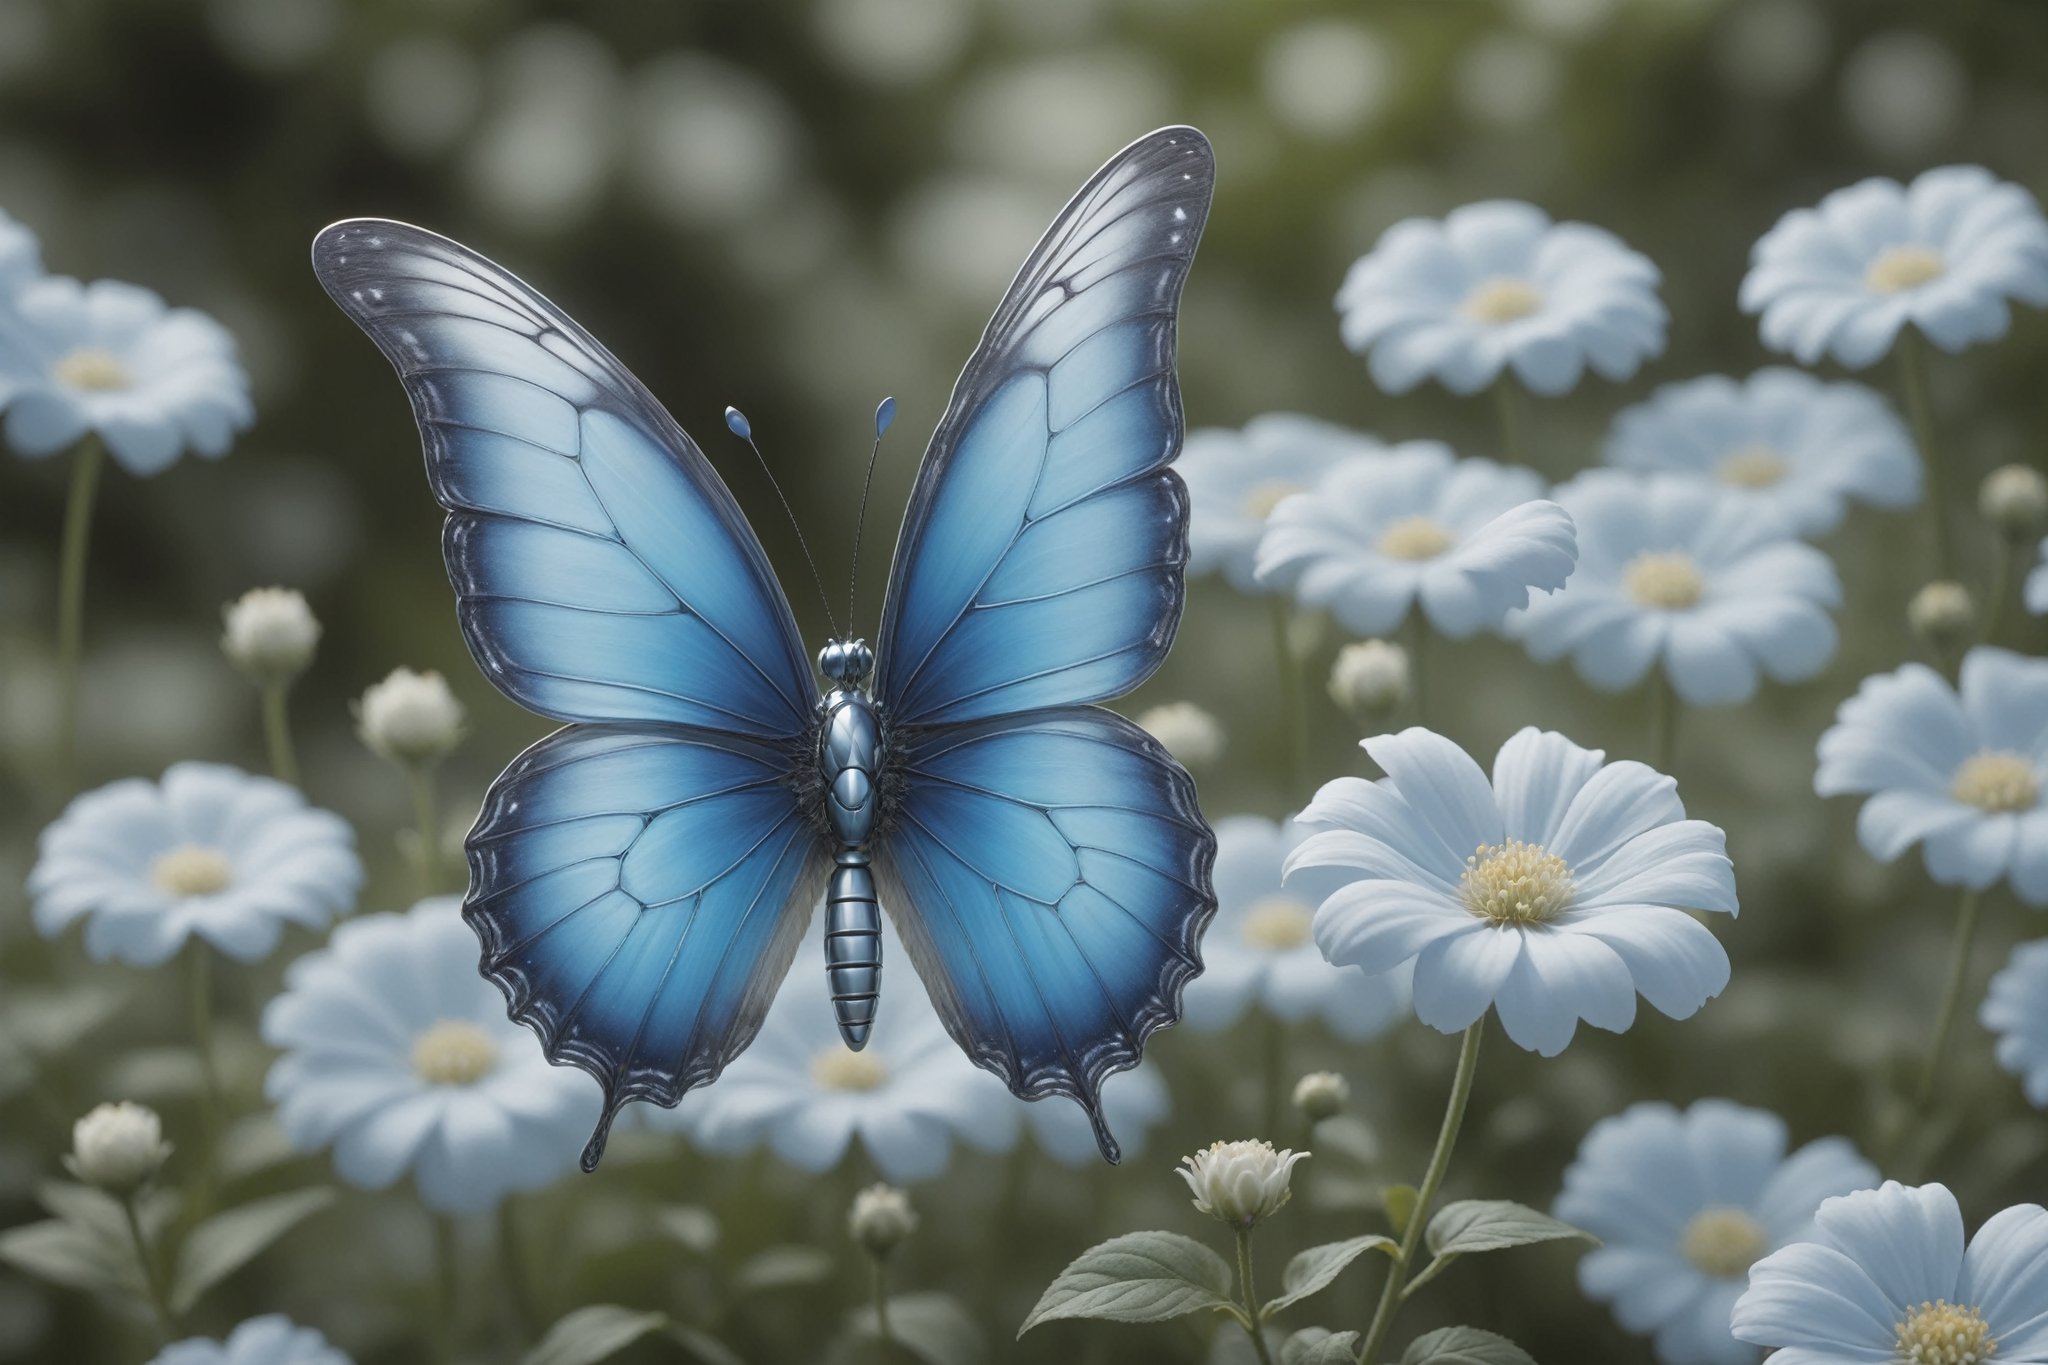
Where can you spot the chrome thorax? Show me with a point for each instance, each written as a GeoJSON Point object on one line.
{"type": "Point", "coordinates": [850, 763]}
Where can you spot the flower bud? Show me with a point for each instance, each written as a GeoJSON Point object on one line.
{"type": "Point", "coordinates": [1370, 678]}
{"type": "Point", "coordinates": [1943, 615]}
{"type": "Point", "coordinates": [410, 717]}
{"type": "Point", "coordinates": [118, 1147]}
{"type": "Point", "coordinates": [881, 1219]}
{"type": "Point", "coordinates": [1189, 733]}
{"type": "Point", "coordinates": [1239, 1183]}
{"type": "Point", "coordinates": [2014, 499]}
{"type": "Point", "coordinates": [1321, 1095]}
{"type": "Point", "coordinates": [271, 633]}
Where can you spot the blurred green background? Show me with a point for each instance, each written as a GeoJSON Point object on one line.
{"type": "Point", "coordinates": [800, 207]}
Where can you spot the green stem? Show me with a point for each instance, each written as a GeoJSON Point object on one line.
{"type": "Point", "coordinates": [1291, 711]}
{"type": "Point", "coordinates": [421, 778]}
{"type": "Point", "coordinates": [1920, 407]}
{"type": "Point", "coordinates": [152, 1279]}
{"type": "Point", "coordinates": [1664, 711]}
{"type": "Point", "coordinates": [512, 1266]}
{"type": "Point", "coordinates": [1508, 403]}
{"type": "Point", "coordinates": [277, 733]}
{"type": "Point", "coordinates": [199, 989]}
{"type": "Point", "coordinates": [1416, 628]}
{"type": "Point", "coordinates": [85, 480]}
{"type": "Point", "coordinates": [1951, 1002]}
{"type": "Point", "coordinates": [441, 1326]}
{"type": "Point", "coordinates": [2001, 589]}
{"type": "Point", "coordinates": [1253, 1319]}
{"type": "Point", "coordinates": [1276, 1076]}
{"type": "Point", "coordinates": [1432, 1181]}
{"type": "Point", "coordinates": [880, 1282]}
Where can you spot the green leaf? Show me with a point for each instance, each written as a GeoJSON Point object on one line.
{"type": "Point", "coordinates": [702, 1346]}
{"type": "Point", "coordinates": [1400, 1205]}
{"type": "Point", "coordinates": [782, 1267]}
{"type": "Point", "coordinates": [694, 1227]}
{"type": "Point", "coordinates": [1493, 1224]}
{"type": "Point", "coordinates": [226, 1242]}
{"type": "Point", "coordinates": [253, 1145]}
{"type": "Point", "coordinates": [64, 1253]}
{"type": "Point", "coordinates": [1464, 1346]}
{"type": "Point", "coordinates": [47, 1022]}
{"type": "Point", "coordinates": [1138, 1277]}
{"type": "Point", "coordinates": [1314, 1269]}
{"type": "Point", "coordinates": [596, 1333]}
{"type": "Point", "coordinates": [1319, 1346]}
{"type": "Point", "coordinates": [932, 1327]}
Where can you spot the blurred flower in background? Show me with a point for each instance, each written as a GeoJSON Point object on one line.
{"type": "Point", "coordinates": [1186, 731]}
{"type": "Point", "coordinates": [1236, 478]}
{"type": "Point", "coordinates": [2016, 1009]}
{"type": "Point", "coordinates": [21, 254]}
{"type": "Point", "coordinates": [118, 1148]}
{"type": "Point", "coordinates": [269, 1340]}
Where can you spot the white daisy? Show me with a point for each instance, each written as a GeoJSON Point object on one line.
{"type": "Point", "coordinates": [111, 358]}
{"type": "Point", "coordinates": [211, 851]}
{"type": "Point", "coordinates": [1236, 478]}
{"type": "Point", "coordinates": [2037, 584]}
{"type": "Point", "coordinates": [1497, 286]}
{"type": "Point", "coordinates": [1554, 893]}
{"type": "Point", "coordinates": [1132, 1101]}
{"type": "Point", "coordinates": [268, 1340]}
{"type": "Point", "coordinates": [1683, 1204]}
{"type": "Point", "coordinates": [1960, 771]}
{"type": "Point", "coordinates": [1887, 1277]}
{"type": "Point", "coordinates": [398, 1054]}
{"type": "Point", "coordinates": [1466, 539]}
{"type": "Point", "coordinates": [1261, 950]}
{"type": "Point", "coordinates": [1678, 574]}
{"type": "Point", "coordinates": [1944, 254]}
{"type": "Point", "coordinates": [21, 255]}
{"type": "Point", "coordinates": [1781, 440]}
{"type": "Point", "coordinates": [2016, 1009]}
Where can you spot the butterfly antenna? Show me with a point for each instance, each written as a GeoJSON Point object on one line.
{"type": "Point", "coordinates": [736, 422]}
{"type": "Point", "coordinates": [885, 413]}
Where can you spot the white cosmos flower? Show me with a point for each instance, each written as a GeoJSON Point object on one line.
{"type": "Point", "coordinates": [210, 850]}
{"type": "Point", "coordinates": [113, 359]}
{"type": "Point", "coordinates": [1678, 574]}
{"type": "Point", "coordinates": [398, 1054]}
{"type": "Point", "coordinates": [1236, 478]}
{"type": "Point", "coordinates": [1944, 254]}
{"type": "Point", "coordinates": [1783, 441]}
{"type": "Point", "coordinates": [1466, 539]}
{"type": "Point", "coordinates": [1683, 1204]}
{"type": "Point", "coordinates": [2037, 584]}
{"type": "Point", "coordinates": [269, 1340]}
{"type": "Point", "coordinates": [21, 255]}
{"type": "Point", "coordinates": [1260, 952]}
{"type": "Point", "coordinates": [1497, 286]}
{"type": "Point", "coordinates": [1960, 771]}
{"type": "Point", "coordinates": [1888, 1277]}
{"type": "Point", "coordinates": [2016, 1009]}
{"type": "Point", "coordinates": [1554, 893]}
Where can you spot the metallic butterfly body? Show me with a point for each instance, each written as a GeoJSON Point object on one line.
{"type": "Point", "coordinates": [640, 879]}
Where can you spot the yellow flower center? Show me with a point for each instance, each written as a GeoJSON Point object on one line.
{"type": "Point", "coordinates": [1278, 924]}
{"type": "Point", "coordinates": [840, 1068]}
{"type": "Point", "coordinates": [1414, 538]}
{"type": "Point", "coordinates": [453, 1052]}
{"type": "Point", "coordinates": [191, 870]}
{"type": "Point", "coordinates": [1753, 466]}
{"type": "Point", "coordinates": [1903, 267]}
{"type": "Point", "coordinates": [1501, 299]}
{"type": "Point", "coordinates": [1669, 581]}
{"type": "Point", "coordinates": [1516, 884]}
{"type": "Point", "coordinates": [1263, 498]}
{"type": "Point", "coordinates": [1944, 1333]}
{"type": "Point", "coordinates": [1997, 782]}
{"type": "Point", "coordinates": [92, 367]}
{"type": "Point", "coordinates": [1724, 1242]}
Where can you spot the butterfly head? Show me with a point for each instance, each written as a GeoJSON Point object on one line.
{"type": "Point", "coordinates": [846, 662]}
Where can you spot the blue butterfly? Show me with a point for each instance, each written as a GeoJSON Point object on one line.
{"type": "Point", "coordinates": [640, 879]}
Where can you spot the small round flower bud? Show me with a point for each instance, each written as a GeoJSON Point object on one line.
{"type": "Point", "coordinates": [410, 717]}
{"type": "Point", "coordinates": [2014, 499]}
{"type": "Point", "coordinates": [118, 1147]}
{"type": "Point", "coordinates": [881, 1219]}
{"type": "Point", "coordinates": [1239, 1183]}
{"type": "Point", "coordinates": [1943, 615]}
{"type": "Point", "coordinates": [1321, 1095]}
{"type": "Point", "coordinates": [1370, 678]}
{"type": "Point", "coordinates": [1189, 733]}
{"type": "Point", "coordinates": [271, 633]}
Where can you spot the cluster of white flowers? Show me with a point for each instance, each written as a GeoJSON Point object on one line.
{"type": "Point", "coordinates": [269, 1340]}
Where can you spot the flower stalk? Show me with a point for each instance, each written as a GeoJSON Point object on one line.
{"type": "Point", "coordinates": [86, 463]}
{"type": "Point", "coordinates": [1913, 379]}
{"type": "Point", "coordinates": [1292, 717]}
{"type": "Point", "coordinates": [1254, 1319]}
{"type": "Point", "coordinates": [1944, 1020]}
{"type": "Point", "coordinates": [152, 1278]}
{"type": "Point", "coordinates": [1508, 404]}
{"type": "Point", "coordinates": [277, 733]}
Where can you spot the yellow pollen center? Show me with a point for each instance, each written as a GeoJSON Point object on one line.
{"type": "Point", "coordinates": [1414, 538]}
{"type": "Point", "coordinates": [1501, 299]}
{"type": "Point", "coordinates": [1669, 581]}
{"type": "Point", "coordinates": [1903, 267]}
{"type": "Point", "coordinates": [1944, 1333]}
{"type": "Point", "coordinates": [1516, 884]}
{"type": "Point", "coordinates": [92, 367]}
{"type": "Point", "coordinates": [1997, 782]}
{"type": "Point", "coordinates": [453, 1052]}
{"type": "Point", "coordinates": [1278, 924]}
{"type": "Point", "coordinates": [1724, 1242]}
{"type": "Point", "coordinates": [191, 870]}
{"type": "Point", "coordinates": [840, 1068]}
{"type": "Point", "coordinates": [1753, 466]}
{"type": "Point", "coordinates": [1260, 502]}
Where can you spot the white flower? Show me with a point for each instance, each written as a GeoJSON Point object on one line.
{"type": "Point", "coordinates": [268, 1340]}
{"type": "Point", "coordinates": [1370, 677]}
{"type": "Point", "coordinates": [1943, 254]}
{"type": "Point", "coordinates": [1679, 574]}
{"type": "Point", "coordinates": [270, 633]}
{"type": "Point", "coordinates": [1943, 614]}
{"type": "Point", "coordinates": [881, 1219]}
{"type": "Point", "coordinates": [2016, 1009]}
{"type": "Point", "coordinates": [1466, 539]}
{"type": "Point", "coordinates": [1240, 1183]}
{"type": "Point", "coordinates": [1961, 772]}
{"type": "Point", "coordinates": [210, 851]}
{"type": "Point", "coordinates": [2037, 584]}
{"type": "Point", "coordinates": [1189, 733]}
{"type": "Point", "coordinates": [118, 1147]}
{"type": "Point", "coordinates": [1133, 1102]}
{"type": "Point", "coordinates": [1261, 952]}
{"type": "Point", "coordinates": [1683, 1205]}
{"type": "Point", "coordinates": [1236, 478]}
{"type": "Point", "coordinates": [1781, 441]}
{"type": "Point", "coordinates": [2014, 499]}
{"type": "Point", "coordinates": [21, 255]}
{"type": "Point", "coordinates": [1320, 1095]}
{"type": "Point", "coordinates": [1498, 286]}
{"type": "Point", "coordinates": [410, 717]}
{"type": "Point", "coordinates": [1887, 1277]}
{"type": "Point", "coordinates": [399, 1055]}
{"type": "Point", "coordinates": [1555, 893]}
{"type": "Point", "coordinates": [110, 358]}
